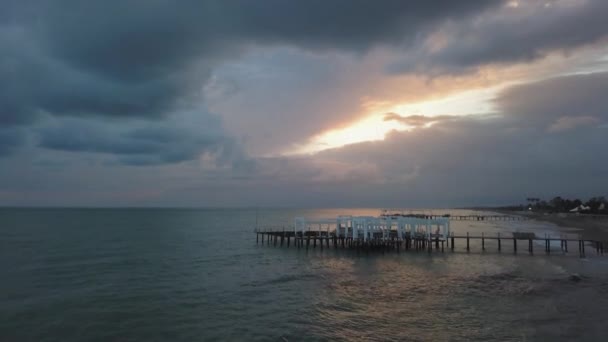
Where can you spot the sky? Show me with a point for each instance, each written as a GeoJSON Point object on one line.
{"type": "Point", "coordinates": [342, 103]}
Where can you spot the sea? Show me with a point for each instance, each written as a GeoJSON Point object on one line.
{"type": "Point", "coordinates": [150, 274]}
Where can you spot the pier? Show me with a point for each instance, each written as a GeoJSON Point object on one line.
{"type": "Point", "coordinates": [407, 233]}
{"type": "Point", "coordinates": [397, 214]}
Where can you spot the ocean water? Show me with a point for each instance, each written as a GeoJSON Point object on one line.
{"type": "Point", "coordinates": [198, 275]}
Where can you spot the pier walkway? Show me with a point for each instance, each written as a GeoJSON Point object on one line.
{"type": "Point", "coordinates": [405, 233]}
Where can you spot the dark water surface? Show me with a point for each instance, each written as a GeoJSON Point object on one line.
{"type": "Point", "coordinates": [190, 275]}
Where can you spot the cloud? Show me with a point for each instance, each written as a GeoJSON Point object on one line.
{"type": "Point", "coordinates": [142, 59]}
{"type": "Point", "coordinates": [570, 122]}
{"type": "Point", "coordinates": [185, 138]}
{"type": "Point", "coordinates": [468, 160]}
{"type": "Point", "coordinates": [511, 34]}
{"type": "Point", "coordinates": [10, 139]}
{"type": "Point", "coordinates": [543, 103]}
{"type": "Point", "coordinates": [136, 58]}
{"type": "Point", "coordinates": [104, 85]}
{"type": "Point", "coordinates": [418, 120]}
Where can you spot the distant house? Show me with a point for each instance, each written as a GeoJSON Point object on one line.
{"type": "Point", "coordinates": [580, 208]}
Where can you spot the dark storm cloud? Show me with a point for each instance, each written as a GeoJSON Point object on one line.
{"type": "Point", "coordinates": [136, 58]}
{"type": "Point", "coordinates": [524, 33]}
{"type": "Point", "coordinates": [148, 59]}
{"type": "Point", "coordinates": [139, 39]}
{"type": "Point", "coordinates": [141, 143]}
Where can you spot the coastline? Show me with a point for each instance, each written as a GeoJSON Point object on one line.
{"type": "Point", "coordinates": [590, 227]}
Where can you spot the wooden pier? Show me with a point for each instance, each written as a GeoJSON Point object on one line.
{"type": "Point", "coordinates": [412, 234]}
{"type": "Point", "coordinates": [503, 242]}
{"type": "Point", "coordinates": [463, 217]}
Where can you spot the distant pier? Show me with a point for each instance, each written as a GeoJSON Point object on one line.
{"type": "Point", "coordinates": [462, 217]}
{"type": "Point", "coordinates": [409, 233]}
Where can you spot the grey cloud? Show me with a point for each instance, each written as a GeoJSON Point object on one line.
{"type": "Point", "coordinates": [147, 59]}
{"type": "Point", "coordinates": [472, 160]}
{"type": "Point", "coordinates": [154, 37]}
{"type": "Point", "coordinates": [142, 143]}
{"type": "Point", "coordinates": [10, 138]}
{"type": "Point", "coordinates": [528, 32]}
{"type": "Point", "coordinates": [418, 120]}
{"type": "Point", "coordinates": [547, 102]}
{"type": "Point", "coordinates": [137, 58]}
{"type": "Point", "coordinates": [33, 83]}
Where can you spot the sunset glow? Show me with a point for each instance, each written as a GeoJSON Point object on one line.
{"type": "Point", "coordinates": [374, 127]}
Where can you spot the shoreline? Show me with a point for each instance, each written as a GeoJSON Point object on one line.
{"type": "Point", "coordinates": [590, 227]}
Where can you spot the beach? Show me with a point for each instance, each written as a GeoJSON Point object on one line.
{"type": "Point", "coordinates": [592, 227]}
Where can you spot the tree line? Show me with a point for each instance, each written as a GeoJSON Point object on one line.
{"type": "Point", "coordinates": [597, 205]}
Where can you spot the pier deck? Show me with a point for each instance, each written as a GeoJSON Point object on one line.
{"type": "Point", "coordinates": [419, 243]}
{"type": "Point", "coordinates": [404, 233]}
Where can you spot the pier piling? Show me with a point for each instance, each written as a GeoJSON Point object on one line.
{"type": "Point", "coordinates": [499, 247]}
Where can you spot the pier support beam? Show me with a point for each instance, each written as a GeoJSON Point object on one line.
{"type": "Point", "coordinates": [499, 246]}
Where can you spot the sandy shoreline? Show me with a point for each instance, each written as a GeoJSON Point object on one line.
{"type": "Point", "coordinates": [591, 227]}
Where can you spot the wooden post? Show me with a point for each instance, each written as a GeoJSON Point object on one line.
{"type": "Point", "coordinates": [530, 247]}
{"type": "Point", "coordinates": [468, 241]}
{"type": "Point", "coordinates": [583, 248]}
{"type": "Point", "coordinates": [257, 238]}
{"type": "Point", "coordinates": [566, 245]}
{"type": "Point", "coordinates": [452, 243]}
{"type": "Point", "coordinates": [515, 245]}
{"type": "Point", "coordinates": [288, 238]}
{"type": "Point", "coordinates": [499, 242]}
{"type": "Point", "coordinates": [483, 243]}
